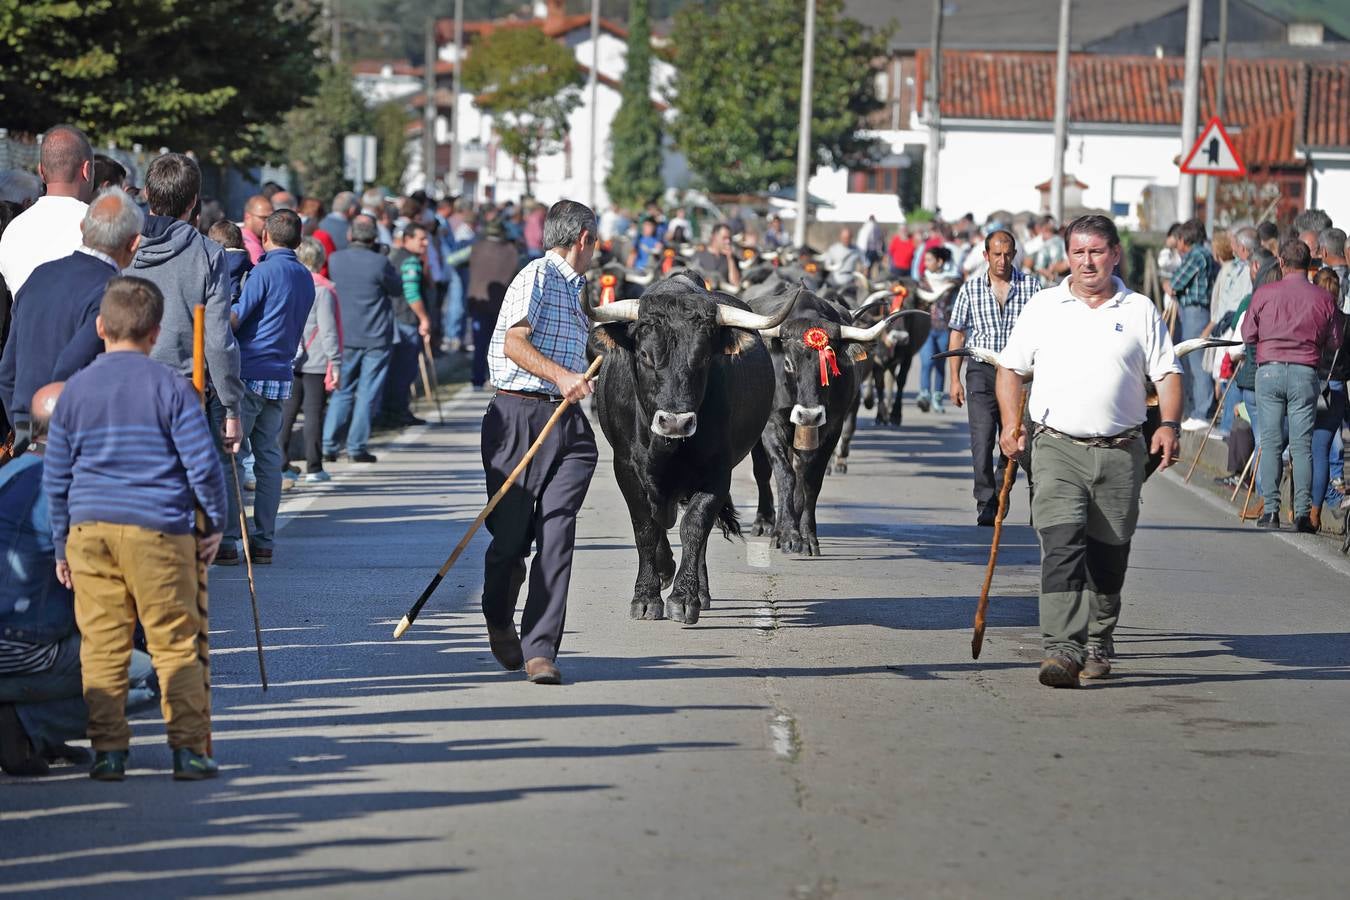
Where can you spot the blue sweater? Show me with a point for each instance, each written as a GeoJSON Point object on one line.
{"type": "Point", "coordinates": [34, 606]}
{"type": "Point", "coordinates": [272, 310]}
{"type": "Point", "coordinates": [129, 444]}
{"type": "Point", "coordinates": [58, 300]}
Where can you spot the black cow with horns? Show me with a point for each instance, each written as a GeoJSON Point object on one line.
{"type": "Point", "coordinates": [683, 393]}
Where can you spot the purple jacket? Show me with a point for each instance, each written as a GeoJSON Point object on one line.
{"type": "Point", "coordinates": [1290, 321]}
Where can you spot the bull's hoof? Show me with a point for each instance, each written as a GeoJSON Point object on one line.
{"type": "Point", "coordinates": [761, 527]}
{"type": "Point", "coordinates": [867, 401]}
{"type": "Point", "coordinates": [809, 546]}
{"type": "Point", "coordinates": [841, 467]}
{"type": "Point", "coordinates": [650, 611]}
{"type": "Point", "coordinates": [896, 419]}
{"type": "Point", "coordinates": [686, 613]}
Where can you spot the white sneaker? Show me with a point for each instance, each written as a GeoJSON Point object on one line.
{"type": "Point", "coordinates": [317, 477]}
{"type": "Point", "coordinates": [1194, 424]}
{"type": "Point", "coordinates": [1218, 434]}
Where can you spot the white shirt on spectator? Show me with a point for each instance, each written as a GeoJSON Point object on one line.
{"type": "Point", "coordinates": [47, 230]}
{"type": "Point", "coordinates": [1090, 364]}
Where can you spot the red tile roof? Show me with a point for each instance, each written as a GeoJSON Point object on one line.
{"type": "Point", "coordinates": [553, 27]}
{"type": "Point", "coordinates": [1261, 95]}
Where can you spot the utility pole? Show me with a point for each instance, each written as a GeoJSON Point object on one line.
{"type": "Point", "coordinates": [1190, 107]}
{"type": "Point", "coordinates": [594, 89]}
{"type": "Point", "coordinates": [1221, 76]}
{"type": "Point", "coordinates": [930, 162]}
{"type": "Point", "coordinates": [429, 109]}
{"type": "Point", "coordinates": [452, 174]}
{"type": "Point", "coordinates": [804, 126]}
{"type": "Point", "coordinates": [330, 15]}
{"type": "Point", "coordinates": [1061, 114]}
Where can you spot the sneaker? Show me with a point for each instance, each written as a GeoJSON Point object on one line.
{"type": "Point", "coordinates": [189, 766]}
{"type": "Point", "coordinates": [1226, 481]}
{"type": "Point", "coordinates": [109, 765]}
{"type": "Point", "coordinates": [330, 457]}
{"type": "Point", "coordinates": [922, 402]}
{"type": "Point", "coordinates": [261, 556]}
{"type": "Point", "coordinates": [250, 483]}
{"type": "Point", "coordinates": [318, 477]}
{"type": "Point", "coordinates": [1304, 525]}
{"type": "Point", "coordinates": [362, 457]}
{"type": "Point", "coordinates": [937, 404]}
{"type": "Point", "coordinates": [1218, 434]}
{"type": "Point", "coordinates": [227, 555]}
{"type": "Point", "coordinates": [290, 472]}
{"type": "Point", "coordinates": [1060, 671]}
{"type": "Point", "coordinates": [1269, 521]}
{"type": "Point", "coordinates": [1194, 424]}
{"type": "Point", "coordinates": [409, 420]}
{"type": "Point", "coordinates": [1097, 664]}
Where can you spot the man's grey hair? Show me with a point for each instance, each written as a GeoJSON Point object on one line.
{"type": "Point", "coordinates": [565, 222]}
{"type": "Point", "coordinates": [363, 230]}
{"type": "Point", "coordinates": [111, 221]}
{"type": "Point", "coordinates": [311, 254]}
{"type": "Point", "coordinates": [372, 198]}
{"type": "Point", "coordinates": [1332, 242]}
{"type": "Point", "coordinates": [344, 203]}
{"type": "Point", "coordinates": [1246, 239]}
{"type": "Point", "coordinates": [1312, 220]}
{"type": "Point", "coordinates": [18, 186]}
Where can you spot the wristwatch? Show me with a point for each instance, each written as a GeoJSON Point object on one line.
{"type": "Point", "coordinates": [1175, 426]}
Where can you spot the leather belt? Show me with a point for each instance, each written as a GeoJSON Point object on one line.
{"type": "Point", "coordinates": [532, 395]}
{"type": "Point", "coordinates": [1110, 441]}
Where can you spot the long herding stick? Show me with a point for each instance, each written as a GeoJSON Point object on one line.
{"type": "Point", "coordinates": [248, 562]}
{"type": "Point", "coordinates": [435, 381]}
{"type": "Point", "coordinates": [411, 615]}
{"type": "Point", "coordinates": [1213, 422]}
{"type": "Point", "coordinates": [1242, 478]}
{"type": "Point", "coordinates": [977, 640]}
{"type": "Point", "coordinates": [203, 628]}
{"type": "Point", "coordinates": [1256, 466]}
{"type": "Point", "coordinates": [426, 379]}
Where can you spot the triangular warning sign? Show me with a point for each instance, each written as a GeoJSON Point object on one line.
{"type": "Point", "coordinates": [1213, 153]}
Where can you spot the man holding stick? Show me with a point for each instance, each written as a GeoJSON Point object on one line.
{"type": "Point", "coordinates": [536, 359]}
{"type": "Point", "coordinates": [1093, 343]}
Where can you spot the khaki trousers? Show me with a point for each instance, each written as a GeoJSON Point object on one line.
{"type": "Point", "coordinates": [121, 573]}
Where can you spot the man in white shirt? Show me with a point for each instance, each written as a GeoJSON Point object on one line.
{"type": "Point", "coordinates": [50, 228]}
{"type": "Point", "coordinates": [1094, 345]}
{"type": "Point", "coordinates": [842, 259]}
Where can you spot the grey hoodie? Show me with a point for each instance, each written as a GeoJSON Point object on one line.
{"type": "Point", "coordinates": [190, 269]}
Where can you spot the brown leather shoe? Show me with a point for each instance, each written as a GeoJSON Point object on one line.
{"type": "Point", "coordinates": [1315, 517]}
{"type": "Point", "coordinates": [1060, 671]}
{"type": "Point", "coordinates": [541, 670]}
{"type": "Point", "coordinates": [505, 644]}
{"type": "Point", "coordinates": [1255, 511]}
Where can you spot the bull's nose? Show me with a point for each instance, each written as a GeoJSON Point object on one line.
{"type": "Point", "coordinates": [674, 425]}
{"type": "Point", "coordinates": [810, 416]}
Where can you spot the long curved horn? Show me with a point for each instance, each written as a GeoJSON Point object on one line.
{"type": "Point", "coordinates": [866, 335]}
{"type": "Point", "coordinates": [618, 311]}
{"type": "Point", "coordinates": [983, 355]}
{"type": "Point", "coordinates": [1195, 344]}
{"type": "Point", "coordinates": [734, 317]}
{"type": "Point", "coordinates": [876, 298]}
{"type": "Point", "coordinates": [637, 278]}
{"type": "Point", "coordinates": [866, 285]}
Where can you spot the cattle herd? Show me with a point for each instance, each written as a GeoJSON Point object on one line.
{"type": "Point", "coordinates": [695, 377]}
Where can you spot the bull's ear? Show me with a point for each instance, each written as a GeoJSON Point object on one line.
{"type": "Point", "coordinates": [611, 337]}
{"type": "Point", "coordinates": [736, 341]}
{"type": "Point", "coordinates": [856, 352]}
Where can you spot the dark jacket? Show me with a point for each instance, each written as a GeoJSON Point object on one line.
{"type": "Point", "coordinates": [366, 284]}
{"type": "Point", "coordinates": [492, 265]}
{"type": "Point", "coordinates": [272, 311]}
{"type": "Point", "coordinates": [58, 300]}
{"type": "Point", "coordinates": [238, 265]}
{"type": "Point", "coordinates": [34, 606]}
{"type": "Point", "coordinates": [335, 226]}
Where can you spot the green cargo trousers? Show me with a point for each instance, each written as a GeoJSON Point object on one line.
{"type": "Point", "coordinates": [1086, 506]}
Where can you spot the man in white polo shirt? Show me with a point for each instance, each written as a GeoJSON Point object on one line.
{"type": "Point", "coordinates": [1094, 345]}
{"type": "Point", "coordinates": [50, 228]}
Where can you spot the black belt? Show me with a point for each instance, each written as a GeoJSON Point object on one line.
{"type": "Point", "coordinates": [532, 395]}
{"type": "Point", "coordinates": [1110, 441]}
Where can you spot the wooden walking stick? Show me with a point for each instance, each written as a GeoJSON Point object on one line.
{"type": "Point", "coordinates": [1009, 470]}
{"type": "Point", "coordinates": [435, 380]}
{"type": "Point", "coordinates": [1256, 465]}
{"type": "Point", "coordinates": [248, 561]}
{"type": "Point", "coordinates": [203, 626]}
{"type": "Point", "coordinates": [1243, 477]}
{"type": "Point", "coordinates": [411, 615]}
{"type": "Point", "coordinates": [1212, 423]}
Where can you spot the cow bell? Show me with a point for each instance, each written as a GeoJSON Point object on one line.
{"type": "Point", "coordinates": [805, 437]}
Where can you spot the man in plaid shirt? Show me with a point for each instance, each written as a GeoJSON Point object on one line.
{"type": "Point", "coordinates": [983, 315]}
{"type": "Point", "coordinates": [536, 358]}
{"type": "Point", "coordinates": [1189, 287]}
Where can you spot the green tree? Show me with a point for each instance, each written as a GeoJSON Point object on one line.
{"type": "Point", "coordinates": [313, 133]}
{"type": "Point", "coordinates": [635, 135]}
{"type": "Point", "coordinates": [530, 85]}
{"type": "Point", "coordinates": [391, 140]}
{"type": "Point", "coordinates": [737, 90]}
{"type": "Point", "coordinates": [207, 77]}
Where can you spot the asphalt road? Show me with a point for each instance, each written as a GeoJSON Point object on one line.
{"type": "Point", "coordinates": [821, 733]}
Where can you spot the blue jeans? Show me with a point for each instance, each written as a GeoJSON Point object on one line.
{"type": "Point", "coordinates": [50, 703]}
{"type": "Point", "coordinates": [1287, 391]}
{"type": "Point", "coordinates": [363, 373]}
{"type": "Point", "coordinates": [260, 422]}
{"type": "Point", "coordinates": [1196, 381]}
{"type": "Point", "coordinates": [454, 304]}
{"type": "Point", "coordinates": [1326, 427]}
{"type": "Point", "coordinates": [1230, 401]}
{"type": "Point", "coordinates": [933, 374]}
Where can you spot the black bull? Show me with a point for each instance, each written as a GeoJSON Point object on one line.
{"type": "Point", "coordinates": [816, 354]}
{"type": "Point", "coordinates": [682, 396]}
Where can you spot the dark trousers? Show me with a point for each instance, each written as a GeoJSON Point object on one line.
{"type": "Point", "coordinates": [541, 509]}
{"type": "Point", "coordinates": [403, 371]}
{"type": "Point", "coordinates": [985, 425]}
{"type": "Point", "coordinates": [308, 390]}
{"type": "Point", "coordinates": [482, 319]}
